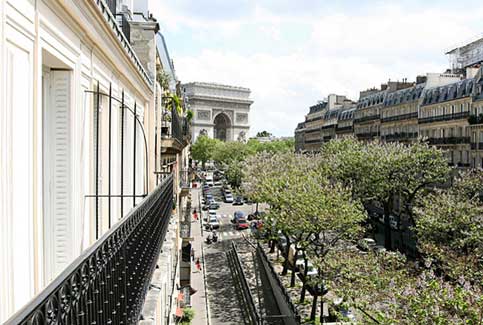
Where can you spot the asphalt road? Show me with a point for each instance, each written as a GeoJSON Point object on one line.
{"type": "Point", "coordinates": [224, 300]}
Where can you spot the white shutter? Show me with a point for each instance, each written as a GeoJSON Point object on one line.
{"type": "Point", "coordinates": [58, 217]}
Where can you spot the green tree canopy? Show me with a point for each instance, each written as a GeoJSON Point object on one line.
{"type": "Point", "coordinates": [203, 149]}
{"type": "Point", "coordinates": [263, 134]}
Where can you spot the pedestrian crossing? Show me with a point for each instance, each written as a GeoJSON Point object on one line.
{"type": "Point", "coordinates": [226, 235]}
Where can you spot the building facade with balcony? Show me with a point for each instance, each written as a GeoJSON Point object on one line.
{"type": "Point", "coordinates": [80, 154]}
{"type": "Point", "coordinates": [443, 119]}
{"type": "Point", "coordinates": [220, 111]}
{"type": "Point", "coordinates": [399, 114]}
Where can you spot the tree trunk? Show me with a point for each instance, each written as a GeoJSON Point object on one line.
{"type": "Point", "coordinates": [313, 311]}
{"type": "Point", "coordinates": [292, 279]}
{"type": "Point", "coordinates": [272, 246]}
{"type": "Point", "coordinates": [286, 252]}
{"type": "Point", "coordinates": [256, 210]}
{"type": "Point", "coordinates": [321, 310]}
{"type": "Point", "coordinates": [304, 280]}
{"type": "Point", "coordinates": [387, 227]}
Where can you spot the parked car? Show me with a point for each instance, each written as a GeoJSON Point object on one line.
{"type": "Point", "coordinates": [213, 222]}
{"type": "Point", "coordinates": [238, 201]}
{"type": "Point", "coordinates": [228, 198]}
{"type": "Point", "coordinates": [242, 223]}
{"type": "Point", "coordinates": [366, 244]}
{"type": "Point", "coordinates": [310, 267]}
{"type": "Point", "coordinates": [210, 214]}
{"type": "Point", "coordinates": [214, 205]}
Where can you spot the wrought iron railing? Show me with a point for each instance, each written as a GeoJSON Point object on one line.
{"type": "Point", "coordinates": [367, 135]}
{"type": "Point", "coordinates": [108, 282]}
{"type": "Point", "coordinates": [344, 128]}
{"type": "Point", "coordinates": [366, 118]}
{"type": "Point", "coordinates": [241, 282]}
{"type": "Point", "coordinates": [276, 279]}
{"type": "Point", "coordinates": [475, 146]}
{"type": "Point", "coordinates": [449, 140]}
{"type": "Point", "coordinates": [446, 117]}
{"type": "Point", "coordinates": [401, 136]}
{"type": "Point", "coordinates": [399, 117]}
{"type": "Point", "coordinates": [313, 141]}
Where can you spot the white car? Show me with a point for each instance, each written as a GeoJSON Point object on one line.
{"type": "Point", "coordinates": [213, 223]}
{"type": "Point", "coordinates": [211, 213]}
{"type": "Point", "coordinates": [228, 198]}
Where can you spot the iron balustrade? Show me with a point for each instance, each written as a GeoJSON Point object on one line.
{"type": "Point", "coordinates": [445, 117]}
{"type": "Point", "coordinates": [367, 135]}
{"type": "Point", "coordinates": [331, 126]}
{"type": "Point", "coordinates": [313, 141]}
{"type": "Point", "coordinates": [366, 118]}
{"type": "Point", "coordinates": [401, 136]}
{"type": "Point", "coordinates": [475, 146]}
{"type": "Point", "coordinates": [399, 117]}
{"type": "Point", "coordinates": [273, 274]}
{"type": "Point", "coordinates": [344, 128]}
{"type": "Point", "coordinates": [449, 140]}
{"type": "Point", "coordinates": [327, 138]}
{"type": "Point", "coordinates": [107, 283]}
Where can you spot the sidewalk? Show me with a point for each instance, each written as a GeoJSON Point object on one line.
{"type": "Point", "coordinates": [198, 300]}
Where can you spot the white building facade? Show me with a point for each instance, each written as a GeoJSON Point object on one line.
{"type": "Point", "coordinates": [54, 56]}
{"type": "Point", "coordinates": [219, 111]}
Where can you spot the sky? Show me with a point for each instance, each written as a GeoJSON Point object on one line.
{"type": "Point", "coordinates": [293, 53]}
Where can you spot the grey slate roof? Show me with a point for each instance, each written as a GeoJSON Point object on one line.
{"type": "Point", "coordinates": [403, 96]}
{"type": "Point", "coordinates": [456, 90]}
{"type": "Point", "coordinates": [318, 107]}
{"type": "Point", "coordinates": [372, 100]}
{"type": "Point", "coordinates": [347, 114]}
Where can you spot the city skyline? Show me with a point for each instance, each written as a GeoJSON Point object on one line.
{"type": "Point", "coordinates": [292, 55]}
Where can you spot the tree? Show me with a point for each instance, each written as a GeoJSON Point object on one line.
{"type": "Point", "coordinates": [450, 235]}
{"type": "Point", "coordinates": [312, 213]}
{"type": "Point", "coordinates": [263, 134]}
{"type": "Point", "coordinates": [202, 149]}
{"type": "Point", "coordinates": [384, 172]}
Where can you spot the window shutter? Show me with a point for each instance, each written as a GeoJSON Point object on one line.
{"type": "Point", "coordinates": [59, 237]}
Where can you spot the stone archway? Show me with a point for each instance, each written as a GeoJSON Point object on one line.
{"type": "Point", "coordinates": [222, 127]}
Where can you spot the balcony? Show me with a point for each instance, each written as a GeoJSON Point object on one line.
{"type": "Point", "coordinates": [367, 118]}
{"type": "Point", "coordinates": [107, 283]}
{"type": "Point", "coordinates": [449, 140]}
{"type": "Point", "coordinates": [313, 141]}
{"type": "Point", "coordinates": [476, 146]}
{"type": "Point", "coordinates": [367, 135]}
{"type": "Point", "coordinates": [344, 128]}
{"type": "Point", "coordinates": [399, 117]}
{"type": "Point", "coordinates": [401, 136]}
{"type": "Point", "coordinates": [175, 135]}
{"type": "Point", "coordinates": [475, 119]}
{"type": "Point", "coordinates": [185, 182]}
{"type": "Point", "coordinates": [446, 117]}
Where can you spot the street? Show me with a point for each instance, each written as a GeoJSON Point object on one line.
{"type": "Point", "coordinates": [223, 299]}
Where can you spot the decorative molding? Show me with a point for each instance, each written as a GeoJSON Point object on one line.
{"type": "Point", "coordinates": [226, 112]}
{"type": "Point", "coordinates": [241, 118]}
{"type": "Point", "coordinates": [203, 115]}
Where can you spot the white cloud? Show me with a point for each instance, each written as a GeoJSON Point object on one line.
{"type": "Point", "coordinates": [344, 52]}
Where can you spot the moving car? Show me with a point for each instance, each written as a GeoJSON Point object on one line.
{"type": "Point", "coordinates": [228, 198]}
{"type": "Point", "coordinates": [238, 215]}
{"type": "Point", "coordinates": [242, 223]}
{"type": "Point", "coordinates": [238, 201]}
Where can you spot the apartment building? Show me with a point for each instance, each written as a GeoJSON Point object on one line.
{"type": "Point", "coordinates": [399, 114]}
{"type": "Point", "coordinates": [444, 108]}
{"type": "Point", "coordinates": [80, 158]}
{"type": "Point", "coordinates": [443, 119]}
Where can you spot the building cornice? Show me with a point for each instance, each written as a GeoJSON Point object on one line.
{"type": "Point", "coordinates": [220, 99]}
{"type": "Point", "coordinates": [213, 85]}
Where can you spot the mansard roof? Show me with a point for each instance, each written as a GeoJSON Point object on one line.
{"type": "Point", "coordinates": [404, 96]}
{"type": "Point", "coordinates": [318, 107]}
{"type": "Point", "coordinates": [347, 114]}
{"type": "Point", "coordinates": [456, 90]}
{"type": "Point", "coordinates": [372, 99]}
{"type": "Point", "coordinates": [332, 113]}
